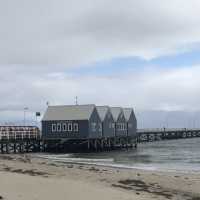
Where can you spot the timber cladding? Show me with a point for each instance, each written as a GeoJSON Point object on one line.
{"type": "Point", "coordinates": [87, 121]}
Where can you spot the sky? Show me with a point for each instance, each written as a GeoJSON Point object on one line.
{"type": "Point", "coordinates": [133, 53]}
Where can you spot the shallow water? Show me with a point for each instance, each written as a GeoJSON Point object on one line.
{"type": "Point", "coordinates": [170, 155]}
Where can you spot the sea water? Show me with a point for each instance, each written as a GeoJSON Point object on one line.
{"type": "Point", "coordinates": [169, 155]}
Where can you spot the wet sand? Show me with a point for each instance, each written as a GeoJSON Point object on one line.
{"type": "Point", "coordinates": [25, 177]}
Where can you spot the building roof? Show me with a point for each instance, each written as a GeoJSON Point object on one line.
{"type": "Point", "coordinates": [127, 113]}
{"type": "Point", "coordinates": [102, 110]}
{"type": "Point", "coordinates": [68, 112]}
{"type": "Point", "coordinates": [115, 112]}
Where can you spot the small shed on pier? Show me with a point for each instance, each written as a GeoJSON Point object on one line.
{"type": "Point", "coordinates": [108, 124]}
{"type": "Point", "coordinates": [131, 122]}
{"type": "Point", "coordinates": [120, 122]}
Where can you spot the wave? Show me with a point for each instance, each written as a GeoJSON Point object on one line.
{"type": "Point", "coordinates": [70, 159]}
{"type": "Point", "coordinates": [109, 162]}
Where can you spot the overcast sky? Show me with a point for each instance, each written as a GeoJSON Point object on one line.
{"type": "Point", "coordinates": [138, 53]}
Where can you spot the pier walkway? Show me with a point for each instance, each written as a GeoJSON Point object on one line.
{"type": "Point", "coordinates": [149, 135]}
{"type": "Point", "coordinates": [28, 139]}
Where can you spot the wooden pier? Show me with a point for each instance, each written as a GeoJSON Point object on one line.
{"type": "Point", "coordinates": [27, 142]}
{"type": "Point", "coordinates": [150, 135]}
{"type": "Point", "coordinates": [65, 145]}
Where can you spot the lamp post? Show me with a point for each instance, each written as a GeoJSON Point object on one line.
{"type": "Point", "coordinates": [25, 109]}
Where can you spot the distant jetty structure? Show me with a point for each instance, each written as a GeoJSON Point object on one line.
{"type": "Point", "coordinates": [150, 135]}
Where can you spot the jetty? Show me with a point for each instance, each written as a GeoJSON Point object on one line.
{"type": "Point", "coordinates": [150, 135]}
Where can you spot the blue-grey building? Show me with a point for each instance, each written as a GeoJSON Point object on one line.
{"type": "Point", "coordinates": [71, 121]}
{"type": "Point", "coordinates": [108, 124]}
{"type": "Point", "coordinates": [131, 122]}
{"type": "Point", "coordinates": [120, 121]}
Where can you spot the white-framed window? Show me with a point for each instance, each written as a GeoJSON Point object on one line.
{"type": "Point", "coordinates": [53, 128]}
{"type": "Point", "coordinates": [113, 125]}
{"type": "Point", "coordinates": [70, 127]}
{"type": "Point", "coordinates": [64, 127]}
{"type": "Point", "coordinates": [123, 126]}
{"type": "Point", "coordinates": [93, 126]}
{"type": "Point", "coordinates": [100, 127]}
{"type": "Point", "coordinates": [75, 127]}
{"type": "Point", "coordinates": [59, 127]}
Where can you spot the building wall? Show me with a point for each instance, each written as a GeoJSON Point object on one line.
{"type": "Point", "coordinates": [95, 125]}
{"type": "Point", "coordinates": [108, 125]}
{"type": "Point", "coordinates": [132, 125]}
{"type": "Point", "coordinates": [82, 132]}
{"type": "Point", "coordinates": [120, 126]}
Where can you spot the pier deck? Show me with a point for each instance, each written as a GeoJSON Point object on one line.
{"type": "Point", "coordinates": [31, 143]}
{"type": "Point", "coordinates": [149, 135]}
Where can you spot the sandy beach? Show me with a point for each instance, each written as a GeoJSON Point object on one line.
{"type": "Point", "coordinates": [26, 177]}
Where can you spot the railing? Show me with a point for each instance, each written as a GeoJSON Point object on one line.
{"type": "Point", "coordinates": [157, 130]}
{"type": "Point", "coordinates": [16, 133]}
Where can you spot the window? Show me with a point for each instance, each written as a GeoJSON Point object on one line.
{"type": "Point", "coordinates": [93, 126]}
{"type": "Point", "coordinates": [113, 125]}
{"type": "Point", "coordinates": [53, 128]}
{"type": "Point", "coordinates": [64, 127]}
{"type": "Point", "coordinates": [70, 127]}
{"type": "Point", "coordinates": [75, 127]}
{"type": "Point", "coordinates": [100, 127]}
{"type": "Point", "coordinates": [123, 126]}
{"type": "Point", "coordinates": [59, 127]}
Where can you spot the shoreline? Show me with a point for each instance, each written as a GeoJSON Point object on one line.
{"type": "Point", "coordinates": [115, 183]}
{"type": "Point", "coordinates": [116, 166]}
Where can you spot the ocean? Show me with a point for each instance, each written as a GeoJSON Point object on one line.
{"type": "Point", "coordinates": [181, 155]}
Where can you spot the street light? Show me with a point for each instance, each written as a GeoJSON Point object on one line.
{"type": "Point", "coordinates": [25, 109]}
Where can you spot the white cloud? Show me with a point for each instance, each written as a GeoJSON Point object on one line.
{"type": "Point", "coordinates": [155, 88]}
{"type": "Point", "coordinates": [70, 33]}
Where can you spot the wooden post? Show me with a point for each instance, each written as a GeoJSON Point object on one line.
{"type": "Point", "coordinates": [109, 143]}
{"type": "Point", "coordinates": [127, 142]}
{"type": "Point", "coordinates": [147, 137]}
{"type": "Point", "coordinates": [95, 144]}
{"type": "Point", "coordinates": [7, 149]}
{"type": "Point", "coordinates": [1, 147]}
{"type": "Point", "coordinates": [102, 144]}
{"type": "Point", "coordinates": [88, 144]}
{"type": "Point", "coordinates": [14, 147]}
{"type": "Point", "coordinates": [20, 148]}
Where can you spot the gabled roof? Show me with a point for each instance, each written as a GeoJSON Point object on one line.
{"type": "Point", "coordinates": [127, 113]}
{"type": "Point", "coordinates": [68, 112]}
{"type": "Point", "coordinates": [102, 110]}
{"type": "Point", "coordinates": [115, 112]}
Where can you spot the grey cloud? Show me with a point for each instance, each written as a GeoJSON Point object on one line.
{"type": "Point", "coordinates": [70, 33]}
{"type": "Point", "coordinates": [152, 89]}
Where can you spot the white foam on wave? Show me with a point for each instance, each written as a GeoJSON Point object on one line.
{"type": "Point", "coordinates": [69, 158]}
